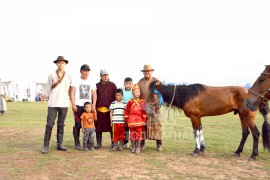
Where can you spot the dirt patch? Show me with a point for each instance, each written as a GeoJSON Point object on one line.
{"type": "Point", "coordinates": [21, 159]}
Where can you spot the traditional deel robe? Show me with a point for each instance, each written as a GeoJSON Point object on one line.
{"type": "Point", "coordinates": [153, 125]}
{"type": "Point", "coordinates": [135, 117]}
{"type": "Point", "coordinates": [135, 114]}
{"type": "Point", "coordinates": [105, 96]}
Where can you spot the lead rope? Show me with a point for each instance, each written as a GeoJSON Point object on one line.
{"type": "Point", "coordinates": [160, 117]}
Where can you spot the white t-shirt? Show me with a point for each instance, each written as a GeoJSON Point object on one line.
{"type": "Point", "coordinates": [83, 91]}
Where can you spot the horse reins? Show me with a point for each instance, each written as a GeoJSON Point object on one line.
{"type": "Point", "coordinates": [262, 96]}
{"type": "Point", "coordinates": [159, 118]}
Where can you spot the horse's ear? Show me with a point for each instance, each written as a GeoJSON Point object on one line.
{"type": "Point", "coordinates": [158, 84]}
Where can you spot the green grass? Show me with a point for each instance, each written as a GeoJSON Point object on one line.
{"type": "Point", "coordinates": [21, 138]}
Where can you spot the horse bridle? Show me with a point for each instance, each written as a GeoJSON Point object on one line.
{"type": "Point", "coordinates": [262, 95]}
{"type": "Point", "coordinates": [160, 117]}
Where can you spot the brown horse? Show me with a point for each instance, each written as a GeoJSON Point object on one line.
{"type": "Point", "coordinates": [197, 101]}
{"type": "Point", "coordinates": [260, 90]}
{"type": "Point", "coordinates": [257, 97]}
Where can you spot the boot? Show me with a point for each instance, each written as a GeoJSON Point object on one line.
{"type": "Point", "coordinates": [60, 135]}
{"type": "Point", "coordinates": [88, 144]}
{"type": "Point", "coordinates": [76, 135]}
{"type": "Point", "coordinates": [47, 137]}
{"type": "Point", "coordinates": [159, 145]}
{"type": "Point", "coordinates": [138, 147]}
{"type": "Point", "coordinates": [85, 146]}
{"type": "Point", "coordinates": [143, 145]}
{"type": "Point", "coordinates": [115, 146]}
{"type": "Point", "coordinates": [99, 140]}
{"type": "Point", "coordinates": [121, 144]}
{"type": "Point", "coordinates": [92, 147]}
{"type": "Point", "coordinates": [133, 146]}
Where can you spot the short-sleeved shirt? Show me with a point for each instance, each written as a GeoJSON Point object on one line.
{"type": "Point", "coordinates": [118, 109]}
{"type": "Point", "coordinates": [127, 95]}
{"type": "Point", "coordinates": [88, 120]}
{"type": "Point", "coordinates": [83, 91]}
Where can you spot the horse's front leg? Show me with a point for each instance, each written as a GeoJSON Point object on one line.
{"type": "Point", "coordinates": [198, 136]}
{"type": "Point", "coordinates": [245, 133]}
{"type": "Point", "coordinates": [256, 134]}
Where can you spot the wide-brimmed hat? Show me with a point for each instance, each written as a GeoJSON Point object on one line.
{"type": "Point", "coordinates": [60, 58]}
{"type": "Point", "coordinates": [103, 72]}
{"type": "Point", "coordinates": [85, 67]}
{"type": "Point", "coordinates": [147, 67]}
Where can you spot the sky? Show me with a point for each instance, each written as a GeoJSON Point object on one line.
{"type": "Point", "coordinates": [198, 41]}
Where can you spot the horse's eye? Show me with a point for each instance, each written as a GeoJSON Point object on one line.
{"type": "Point", "coordinates": [261, 80]}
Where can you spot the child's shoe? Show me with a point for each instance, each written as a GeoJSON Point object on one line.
{"type": "Point", "coordinates": [133, 147]}
{"type": "Point", "coordinates": [138, 147]}
{"type": "Point", "coordinates": [115, 146]}
{"type": "Point", "coordinates": [85, 146]}
{"type": "Point", "coordinates": [121, 146]}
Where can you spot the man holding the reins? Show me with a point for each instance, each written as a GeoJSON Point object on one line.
{"type": "Point", "coordinates": [153, 126]}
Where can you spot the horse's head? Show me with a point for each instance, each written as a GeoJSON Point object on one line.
{"type": "Point", "coordinates": [260, 90]}
{"type": "Point", "coordinates": [155, 85]}
{"type": "Point", "coordinates": [152, 102]}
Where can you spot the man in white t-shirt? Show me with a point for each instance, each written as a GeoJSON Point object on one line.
{"type": "Point", "coordinates": [82, 90]}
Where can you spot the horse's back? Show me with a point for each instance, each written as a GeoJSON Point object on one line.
{"type": "Point", "coordinates": [218, 100]}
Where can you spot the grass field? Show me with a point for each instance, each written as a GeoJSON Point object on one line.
{"type": "Point", "coordinates": [21, 139]}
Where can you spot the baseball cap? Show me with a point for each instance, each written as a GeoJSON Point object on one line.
{"type": "Point", "coordinates": [85, 67]}
{"type": "Point", "coordinates": [103, 72]}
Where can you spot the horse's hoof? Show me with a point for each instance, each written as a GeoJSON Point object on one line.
{"type": "Point", "coordinates": [194, 154]}
{"type": "Point", "coordinates": [236, 155]}
{"type": "Point", "coordinates": [201, 152]}
{"type": "Point", "coordinates": [252, 159]}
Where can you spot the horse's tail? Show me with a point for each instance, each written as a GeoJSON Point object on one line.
{"type": "Point", "coordinates": [265, 127]}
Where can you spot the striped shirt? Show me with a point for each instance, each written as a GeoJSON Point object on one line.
{"type": "Point", "coordinates": [118, 109]}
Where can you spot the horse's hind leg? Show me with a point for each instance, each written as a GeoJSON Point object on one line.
{"type": "Point", "coordinates": [245, 133]}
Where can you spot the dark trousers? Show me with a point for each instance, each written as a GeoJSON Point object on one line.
{"type": "Point", "coordinates": [77, 125]}
{"type": "Point", "coordinates": [126, 134]}
{"type": "Point", "coordinates": [99, 137]}
{"type": "Point", "coordinates": [52, 113]}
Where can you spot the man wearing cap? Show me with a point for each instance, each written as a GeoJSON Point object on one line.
{"type": "Point", "coordinates": [153, 125]}
{"type": "Point", "coordinates": [105, 96]}
{"type": "Point", "coordinates": [57, 89]}
{"type": "Point", "coordinates": [82, 90]}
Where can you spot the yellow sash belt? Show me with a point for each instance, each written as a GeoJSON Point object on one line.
{"type": "Point", "coordinates": [103, 109]}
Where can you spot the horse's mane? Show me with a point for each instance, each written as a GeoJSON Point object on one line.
{"type": "Point", "coordinates": [183, 93]}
